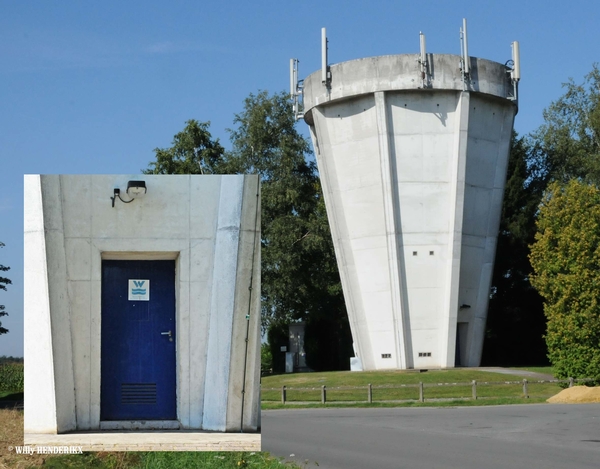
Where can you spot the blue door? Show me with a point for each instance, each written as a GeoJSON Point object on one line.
{"type": "Point", "coordinates": [138, 379]}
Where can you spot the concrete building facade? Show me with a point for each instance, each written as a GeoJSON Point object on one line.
{"type": "Point", "coordinates": [413, 169]}
{"type": "Point", "coordinates": [142, 312]}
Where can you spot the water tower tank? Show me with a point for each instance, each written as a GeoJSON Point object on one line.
{"type": "Point", "coordinates": [413, 159]}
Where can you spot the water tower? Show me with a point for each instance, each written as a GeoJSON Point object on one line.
{"type": "Point", "coordinates": [412, 151]}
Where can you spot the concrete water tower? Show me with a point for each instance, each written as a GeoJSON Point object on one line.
{"type": "Point", "coordinates": [412, 152]}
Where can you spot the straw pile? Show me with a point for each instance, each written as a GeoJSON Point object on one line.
{"type": "Point", "coordinates": [576, 395]}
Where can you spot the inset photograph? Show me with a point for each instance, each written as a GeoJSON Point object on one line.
{"type": "Point", "coordinates": [142, 312]}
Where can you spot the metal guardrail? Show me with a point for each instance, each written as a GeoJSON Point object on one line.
{"type": "Point", "coordinates": [421, 387]}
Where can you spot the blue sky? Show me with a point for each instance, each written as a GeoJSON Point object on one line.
{"type": "Point", "coordinates": [94, 87]}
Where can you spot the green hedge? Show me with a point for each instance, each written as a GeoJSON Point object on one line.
{"type": "Point", "coordinates": [11, 377]}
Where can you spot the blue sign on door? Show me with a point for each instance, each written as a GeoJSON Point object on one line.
{"type": "Point", "coordinates": [138, 379]}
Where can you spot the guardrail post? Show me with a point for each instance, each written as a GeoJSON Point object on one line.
{"type": "Point", "coordinates": [421, 393]}
{"type": "Point", "coordinates": [474, 389]}
{"type": "Point", "coordinates": [571, 382]}
{"type": "Point", "coordinates": [283, 394]}
{"type": "Point", "coordinates": [323, 395]}
{"type": "Point", "coordinates": [370, 394]}
{"type": "Point", "coordinates": [525, 389]}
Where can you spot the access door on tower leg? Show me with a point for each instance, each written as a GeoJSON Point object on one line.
{"type": "Point", "coordinates": [138, 377]}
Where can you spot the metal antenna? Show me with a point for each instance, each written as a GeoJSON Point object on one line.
{"type": "Point", "coordinates": [464, 49]}
{"type": "Point", "coordinates": [325, 73]}
{"type": "Point", "coordinates": [423, 60]}
{"type": "Point", "coordinates": [293, 78]}
{"type": "Point", "coordinates": [466, 60]}
{"type": "Point", "coordinates": [515, 71]}
{"type": "Point", "coordinates": [296, 90]}
{"type": "Point", "coordinates": [516, 56]}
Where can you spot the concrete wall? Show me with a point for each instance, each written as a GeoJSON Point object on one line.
{"type": "Point", "coordinates": [413, 179]}
{"type": "Point", "coordinates": [210, 226]}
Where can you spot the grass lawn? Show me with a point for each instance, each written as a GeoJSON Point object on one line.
{"type": "Point", "coordinates": [445, 403]}
{"type": "Point", "coordinates": [168, 460]}
{"type": "Point", "coordinates": [351, 387]}
{"type": "Point", "coordinates": [11, 396]}
{"type": "Point", "coordinates": [546, 370]}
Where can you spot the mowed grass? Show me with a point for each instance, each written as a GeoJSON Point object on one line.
{"type": "Point", "coordinates": [11, 396]}
{"type": "Point", "coordinates": [388, 404]}
{"type": "Point", "coordinates": [169, 460]}
{"type": "Point", "coordinates": [352, 387]}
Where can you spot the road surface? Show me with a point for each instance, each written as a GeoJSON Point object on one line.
{"type": "Point", "coordinates": [496, 437]}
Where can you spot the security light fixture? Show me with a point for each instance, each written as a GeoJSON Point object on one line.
{"type": "Point", "coordinates": [135, 189]}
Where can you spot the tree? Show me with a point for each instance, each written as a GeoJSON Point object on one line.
{"type": "Point", "coordinates": [299, 270]}
{"type": "Point", "coordinates": [567, 145]}
{"type": "Point", "coordinates": [193, 152]}
{"type": "Point", "coordinates": [266, 359]}
{"type": "Point", "coordinates": [515, 314]}
{"type": "Point", "coordinates": [266, 142]}
{"type": "Point", "coordinates": [566, 262]}
{"type": "Point", "coordinates": [3, 282]}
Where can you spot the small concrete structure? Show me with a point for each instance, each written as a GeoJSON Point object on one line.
{"type": "Point", "coordinates": [296, 348]}
{"type": "Point", "coordinates": [84, 326]}
{"type": "Point", "coordinates": [413, 169]}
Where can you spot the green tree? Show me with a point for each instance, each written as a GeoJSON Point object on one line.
{"type": "Point", "coordinates": [3, 282]}
{"type": "Point", "coordinates": [266, 142]}
{"type": "Point", "coordinates": [299, 270]}
{"type": "Point", "coordinates": [515, 314]}
{"type": "Point", "coordinates": [193, 152]}
{"type": "Point", "coordinates": [566, 262]}
{"type": "Point", "coordinates": [567, 145]}
{"type": "Point", "coordinates": [266, 358]}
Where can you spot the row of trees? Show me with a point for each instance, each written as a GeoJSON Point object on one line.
{"type": "Point", "coordinates": [551, 173]}
{"type": "Point", "coordinates": [3, 282]}
{"type": "Point", "coordinates": [547, 270]}
{"type": "Point", "coordinates": [566, 254]}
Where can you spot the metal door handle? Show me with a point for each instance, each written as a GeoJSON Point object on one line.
{"type": "Point", "coordinates": [169, 333]}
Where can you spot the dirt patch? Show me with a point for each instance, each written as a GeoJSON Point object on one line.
{"type": "Point", "coordinates": [11, 435]}
{"type": "Point", "coordinates": [576, 395]}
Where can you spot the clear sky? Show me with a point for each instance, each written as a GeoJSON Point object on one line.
{"type": "Point", "coordinates": [93, 87]}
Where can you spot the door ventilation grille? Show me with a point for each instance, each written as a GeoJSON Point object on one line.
{"type": "Point", "coordinates": [138, 393]}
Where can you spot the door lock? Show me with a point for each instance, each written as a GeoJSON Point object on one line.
{"type": "Point", "coordinates": [169, 333]}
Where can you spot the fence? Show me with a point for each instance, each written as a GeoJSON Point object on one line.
{"type": "Point", "coordinates": [419, 392]}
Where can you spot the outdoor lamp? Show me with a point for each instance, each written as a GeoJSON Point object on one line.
{"type": "Point", "coordinates": [135, 189]}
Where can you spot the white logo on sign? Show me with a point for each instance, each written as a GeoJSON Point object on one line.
{"type": "Point", "coordinates": [139, 290]}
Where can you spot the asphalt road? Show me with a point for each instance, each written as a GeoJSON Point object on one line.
{"type": "Point", "coordinates": [499, 437]}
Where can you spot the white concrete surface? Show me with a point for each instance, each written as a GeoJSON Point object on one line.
{"type": "Point", "coordinates": [149, 441]}
{"type": "Point", "coordinates": [210, 226]}
{"type": "Point", "coordinates": [413, 181]}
